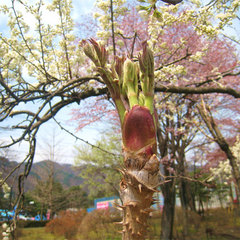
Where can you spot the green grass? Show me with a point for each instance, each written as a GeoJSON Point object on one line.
{"type": "Point", "coordinates": [223, 224]}
{"type": "Point", "coordinates": [37, 234]}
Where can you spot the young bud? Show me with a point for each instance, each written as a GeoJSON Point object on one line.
{"type": "Point", "coordinates": [130, 81]}
{"type": "Point", "coordinates": [139, 132]}
{"type": "Point", "coordinates": [128, 71]}
{"type": "Point", "coordinates": [89, 51]}
{"type": "Point", "coordinates": [101, 52]}
{"type": "Point", "coordinates": [119, 66]}
{"type": "Point", "coordinates": [97, 53]}
{"type": "Point", "coordinates": [146, 61]}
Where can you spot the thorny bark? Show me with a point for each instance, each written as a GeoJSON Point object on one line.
{"type": "Point", "coordinates": [136, 191]}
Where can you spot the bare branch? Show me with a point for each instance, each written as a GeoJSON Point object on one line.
{"type": "Point", "coordinates": [175, 61]}
{"type": "Point", "coordinates": [30, 155]}
{"type": "Point", "coordinates": [198, 90]}
{"type": "Point", "coordinates": [215, 78]}
{"type": "Point", "coordinates": [13, 113]}
{"type": "Point", "coordinates": [80, 139]}
{"type": "Point", "coordinates": [7, 88]}
{"type": "Point", "coordinates": [133, 44]}
{"type": "Point", "coordinates": [174, 2]}
{"type": "Point", "coordinates": [65, 41]}
{"type": "Point", "coordinates": [112, 25]}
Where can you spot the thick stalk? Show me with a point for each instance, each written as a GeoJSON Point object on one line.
{"type": "Point", "coordinates": [140, 172]}
{"type": "Point", "coordinates": [140, 178]}
{"type": "Point", "coordinates": [141, 166]}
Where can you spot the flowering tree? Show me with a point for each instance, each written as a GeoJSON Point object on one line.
{"type": "Point", "coordinates": [224, 169]}
{"type": "Point", "coordinates": [43, 70]}
{"type": "Point", "coordinates": [231, 153]}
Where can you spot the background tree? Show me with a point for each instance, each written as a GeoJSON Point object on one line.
{"type": "Point", "coordinates": [51, 195]}
{"type": "Point", "coordinates": [77, 198]}
{"type": "Point", "coordinates": [222, 142]}
{"type": "Point", "coordinates": [176, 134]}
{"type": "Point", "coordinates": [99, 166]}
{"type": "Point", "coordinates": [32, 207]}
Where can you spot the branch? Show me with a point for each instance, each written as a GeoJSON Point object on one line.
{"type": "Point", "coordinates": [7, 88]}
{"type": "Point", "coordinates": [31, 95]}
{"type": "Point", "coordinates": [28, 158]}
{"type": "Point", "coordinates": [112, 25]}
{"type": "Point", "coordinates": [53, 110]}
{"type": "Point", "coordinates": [175, 61]}
{"type": "Point", "coordinates": [13, 113]}
{"type": "Point", "coordinates": [78, 138]}
{"type": "Point", "coordinates": [203, 182]}
{"type": "Point", "coordinates": [217, 77]}
{"type": "Point", "coordinates": [37, 121]}
{"type": "Point", "coordinates": [134, 37]}
{"type": "Point", "coordinates": [174, 2]}
{"type": "Point", "coordinates": [133, 44]}
{"type": "Point", "coordinates": [230, 38]}
{"type": "Point", "coordinates": [65, 40]}
{"type": "Point", "coordinates": [198, 90]}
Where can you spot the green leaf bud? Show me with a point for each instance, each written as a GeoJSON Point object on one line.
{"type": "Point", "coordinates": [128, 71]}
{"type": "Point", "coordinates": [89, 50]}
{"type": "Point", "coordinates": [146, 61]}
{"type": "Point", "coordinates": [130, 81]}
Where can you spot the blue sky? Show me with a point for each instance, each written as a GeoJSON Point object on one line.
{"type": "Point", "coordinates": [46, 132]}
{"type": "Point", "coordinates": [82, 7]}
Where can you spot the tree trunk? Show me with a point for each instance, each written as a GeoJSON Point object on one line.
{"type": "Point", "coordinates": [168, 190]}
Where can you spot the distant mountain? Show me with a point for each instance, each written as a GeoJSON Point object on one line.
{"type": "Point", "coordinates": [63, 173]}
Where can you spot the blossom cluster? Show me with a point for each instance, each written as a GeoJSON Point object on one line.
{"type": "Point", "coordinates": [107, 16]}
{"type": "Point", "coordinates": [6, 231]}
{"type": "Point", "coordinates": [5, 188]}
{"type": "Point", "coordinates": [34, 46]}
{"type": "Point", "coordinates": [170, 73]}
{"type": "Point", "coordinates": [224, 169]}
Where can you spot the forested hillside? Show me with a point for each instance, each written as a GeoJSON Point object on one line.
{"type": "Point", "coordinates": [63, 173]}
